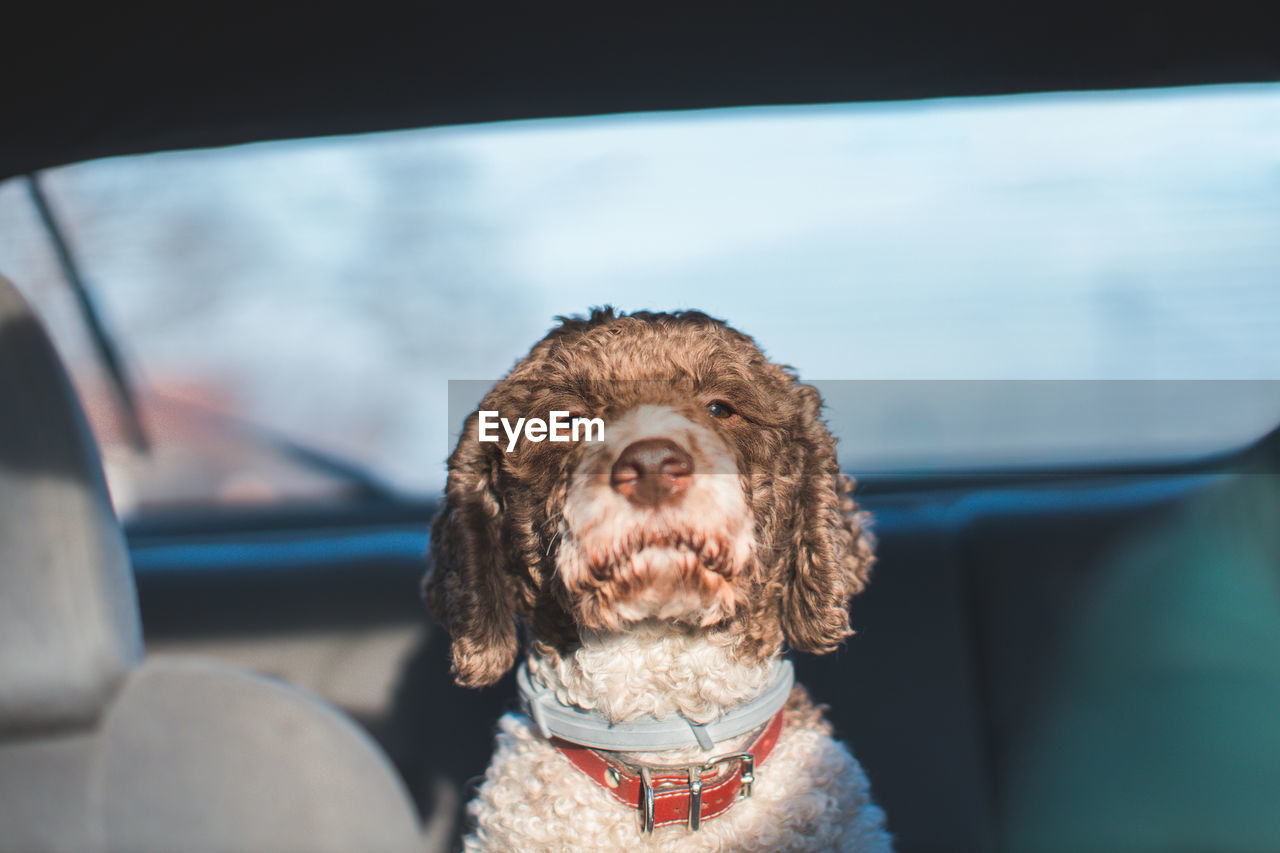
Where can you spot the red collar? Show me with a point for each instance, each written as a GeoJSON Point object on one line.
{"type": "Point", "coordinates": [670, 795]}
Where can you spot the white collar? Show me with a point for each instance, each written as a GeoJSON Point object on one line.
{"type": "Point", "coordinates": [648, 733]}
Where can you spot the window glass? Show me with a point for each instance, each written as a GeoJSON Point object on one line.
{"type": "Point", "coordinates": [322, 293]}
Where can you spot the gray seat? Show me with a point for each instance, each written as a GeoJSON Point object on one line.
{"type": "Point", "coordinates": [101, 750]}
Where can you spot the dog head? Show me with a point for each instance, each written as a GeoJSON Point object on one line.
{"type": "Point", "coordinates": [712, 499]}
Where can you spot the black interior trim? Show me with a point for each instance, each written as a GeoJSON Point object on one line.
{"type": "Point", "coordinates": [115, 79]}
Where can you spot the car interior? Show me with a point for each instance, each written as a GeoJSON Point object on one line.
{"type": "Point", "coordinates": [1057, 656]}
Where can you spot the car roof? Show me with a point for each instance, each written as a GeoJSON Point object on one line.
{"type": "Point", "coordinates": [123, 78]}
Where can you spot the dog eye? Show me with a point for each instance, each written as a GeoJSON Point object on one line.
{"type": "Point", "coordinates": [720, 409]}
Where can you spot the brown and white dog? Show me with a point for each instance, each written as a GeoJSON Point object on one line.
{"type": "Point", "coordinates": [659, 572]}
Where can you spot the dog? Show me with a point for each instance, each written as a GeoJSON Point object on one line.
{"type": "Point", "coordinates": [658, 570]}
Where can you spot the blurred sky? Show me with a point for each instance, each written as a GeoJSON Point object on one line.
{"type": "Point", "coordinates": [336, 285]}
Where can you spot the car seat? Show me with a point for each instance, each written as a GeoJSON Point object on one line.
{"type": "Point", "coordinates": [101, 750]}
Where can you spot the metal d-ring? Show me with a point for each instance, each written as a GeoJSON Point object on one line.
{"type": "Point", "coordinates": [695, 798]}
{"type": "Point", "coordinates": [646, 801]}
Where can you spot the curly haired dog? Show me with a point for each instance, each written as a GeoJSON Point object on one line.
{"type": "Point", "coordinates": [658, 572]}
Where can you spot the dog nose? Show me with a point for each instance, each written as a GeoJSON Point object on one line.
{"type": "Point", "coordinates": [652, 471]}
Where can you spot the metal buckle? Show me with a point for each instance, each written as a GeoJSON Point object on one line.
{"type": "Point", "coordinates": [748, 774]}
{"type": "Point", "coordinates": [748, 763]}
{"type": "Point", "coordinates": [745, 759]}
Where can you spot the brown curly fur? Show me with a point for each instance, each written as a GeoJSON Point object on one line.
{"type": "Point", "coordinates": [493, 545]}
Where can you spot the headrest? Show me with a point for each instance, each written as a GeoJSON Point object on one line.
{"type": "Point", "coordinates": [69, 628]}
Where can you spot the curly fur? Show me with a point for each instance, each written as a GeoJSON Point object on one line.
{"type": "Point", "coordinates": [654, 610]}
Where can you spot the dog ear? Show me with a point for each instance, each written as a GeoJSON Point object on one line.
{"type": "Point", "coordinates": [469, 587]}
{"type": "Point", "coordinates": [831, 548]}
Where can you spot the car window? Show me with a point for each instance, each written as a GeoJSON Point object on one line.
{"type": "Point", "coordinates": [1019, 280]}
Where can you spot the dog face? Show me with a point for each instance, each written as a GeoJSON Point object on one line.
{"type": "Point", "coordinates": [714, 499]}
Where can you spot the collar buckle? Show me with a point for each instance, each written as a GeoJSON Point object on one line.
{"type": "Point", "coordinates": [746, 764]}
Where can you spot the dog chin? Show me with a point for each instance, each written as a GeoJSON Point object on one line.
{"type": "Point", "coordinates": [658, 582]}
